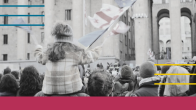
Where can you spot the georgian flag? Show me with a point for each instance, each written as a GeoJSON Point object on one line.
{"type": "Point", "coordinates": [124, 3]}
{"type": "Point", "coordinates": [106, 16]}
{"type": "Point", "coordinates": [120, 28]}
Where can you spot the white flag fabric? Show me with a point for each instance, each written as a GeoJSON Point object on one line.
{"type": "Point", "coordinates": [21, 21]}
{"type": "Point", "coordinates": [151, 55]}
{"type": "Point", "coordinates": [120, 28]}
{"type": "Point", "coordinates": [149, 52]}
{"type": "Point", "coordinates": [26, 28]}
{"type": "Point", "coordinates": [106, 16]}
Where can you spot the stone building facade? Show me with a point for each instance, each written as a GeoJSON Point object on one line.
{"type": "Point", "coordinates": [121, 47]}
{"type": "Point", "coordinates": [134, 45]}
{"type": "Point", "coordinates": [10, 48]}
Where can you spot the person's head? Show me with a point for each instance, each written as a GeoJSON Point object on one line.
{"type": "Point", "coordinates": [15, 74]}
{"type": "Point", "coordinates": [111, 68]}
{"type": "Point", "coordinates": [62, 32]}
{"type": "Point", "coordinates": [63, 43]}
{"type": "Point", "coordinates": [7, 71]}
{"type": "Point", "coordinates": [127, 72]}
{"type": "Point", "coordinates": [137, 68]}
{"type": "Point", "coordinates": [108, 66]}
{"type": "Point", "coordinates": [101, 65]}
{"type": "Point", "coordinates": [127, 75]}
{"type": "Point", "coordinates": [100, 83]}
{"type": "Point", "coordinates": [164, 69]}
{"type": "Point", "coordinates": [147, 69]}
{"type": "Point", "coordinates": [88, 65]}
{"type": "Point", "coordinates": [30, 82]}
{"type": "Point", "coordinates": [176, 90]}
{"type": "Point", "coordinates": [124, 64]}
{"type": "Point", "coordinates": [9, 84]}
{"type": "Point", "coordinates": [98, 66]}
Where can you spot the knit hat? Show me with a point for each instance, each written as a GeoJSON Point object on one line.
{"type": "Point", "coordinates": [147, 69]}
{"type": "Point", "coordinates": [62, 32]}
{"type": "Point", "coordinates": [7, 71]}
{"type": "Point", "coordinates": [126, 72]}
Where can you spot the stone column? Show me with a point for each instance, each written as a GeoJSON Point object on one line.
{"type": "Point", "coordinates": [192, 39]}
{"type": "Point", "coordinates": [155, 36]}
{"type": "Point", "coordinates": [194, 30]}
{"type": "Point", "coordinates": [77, 18]}
{"type": "Point", "coordinates": [193, 35]}
{"type": "Point", "coordinates": [176, 42]}
{"type": "Point", "coordinates": [21, 34]}
{"type": "Point", "coordinates": [142, 31]}
{"type": "Point", "coordinates": [49, 20]}
{"type": "Point", "coordinates": [150, 3]}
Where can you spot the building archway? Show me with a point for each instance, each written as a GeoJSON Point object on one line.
{"type": "Point", "coordinates": [186, 12]}
{"type": "Point", "coordinates": [162, 12]}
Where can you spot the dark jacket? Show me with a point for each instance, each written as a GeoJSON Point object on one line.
{"type": "Point", "coordinates": [161, 88]}
{"type": "Point", "coordinates": [27, 94]}
{"type": "Point", "coordinates": [77, 94]}
{"type": "Point", "coordinates": [147, 89]}
{"type": "Point", "coordinates": [192, 88]}
{"type": "Point", "coordinates": [129, 81]}
{"type": "Point", "coordinates": [6, 94]}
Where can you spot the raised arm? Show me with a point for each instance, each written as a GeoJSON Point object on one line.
{"type": "Point", "coordinates": [90, 55]}
{"type": "Point", "coordinates": [40, 56]}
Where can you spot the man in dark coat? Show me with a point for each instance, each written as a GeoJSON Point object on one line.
{"type": "Point", "coordinates": [147, 85]}
{"type": "Point", "coordinates": [192, 88]}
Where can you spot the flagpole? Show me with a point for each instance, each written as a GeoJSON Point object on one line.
{"type": "Point", "coordinates": [109, 28]}
{"type": "Point", "coordinates": [98, 38]}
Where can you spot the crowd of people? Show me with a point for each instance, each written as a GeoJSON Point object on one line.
{"type": "Point", "coordinates": [129, 82]}
{"type": "Point", "coordinates": [66, 75]}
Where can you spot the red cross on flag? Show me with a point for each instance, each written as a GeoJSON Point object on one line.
{"type": "Point", "coordinates": [106, 16]}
